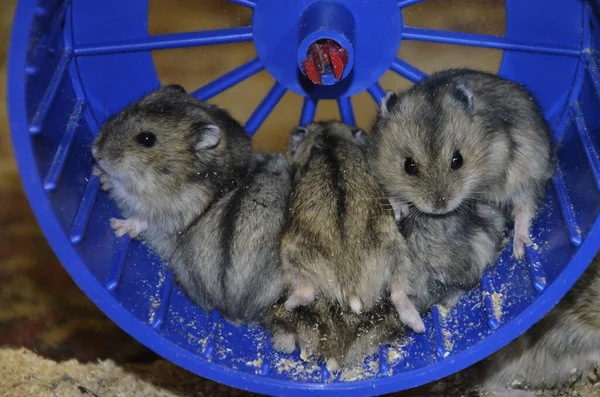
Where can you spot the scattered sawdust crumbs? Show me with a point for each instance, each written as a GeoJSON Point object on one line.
{"type": "Point", "coordinates": [360, 371]}
{"type": "Point", "coordinates": [497, 302]}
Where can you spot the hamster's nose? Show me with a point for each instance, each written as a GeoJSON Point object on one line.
{"type": "Point", "coordinates": [439, 201]}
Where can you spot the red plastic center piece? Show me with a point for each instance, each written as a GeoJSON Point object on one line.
{"type": "Point", "coordinates": [325, 58]}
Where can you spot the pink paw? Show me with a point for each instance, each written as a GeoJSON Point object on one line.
{"type": "Point", "coordinates": [407, 312]}
{"type": "Point", "coordinates": [301, 296]}
{"type": "Point", "coordinates": [519, 243]}
{"type": "Point", "coordinates": [284, 342]}
{"type": "Point", "coordinates": [131, 226]}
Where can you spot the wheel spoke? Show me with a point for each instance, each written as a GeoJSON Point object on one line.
{"type": "Point", "coordinates": [377, 92]}
{"type": "Point", "coordinates": [346, 111]}
{"type": "Point", "coordinates": [169, 41]}
{"type": "Point", "coordinates": [406, 3]}
{"type": "Point", "coordinates": [482, 40]}
{"type": "Point", "coordinates": [229, 79]}
{"type": "Point", "coordinates": [245, 3]}
{"type": "Point", "coordinates": [265, 107]}
{"type": "Point", "coordinates": [309, 108]}
{"type": "Point", "coordinates": [407, 71]}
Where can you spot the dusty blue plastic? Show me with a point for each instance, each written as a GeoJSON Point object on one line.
{"type": "Point", "coordinates": [73, 64]}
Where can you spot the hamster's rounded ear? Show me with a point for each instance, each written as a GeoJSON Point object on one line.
{"type": "Point", "coordinates": [388, 102]}
{"type": "Point", "coordinates": [464, 97]}
{"type": "Point", "coordinates": [174, 88]}
{"type": "Point", "coordinates": [206, 136]}
{"type": "Point", "coordinates": [359, 135]}
{"type": "Point", "coordinates": [297, 137]}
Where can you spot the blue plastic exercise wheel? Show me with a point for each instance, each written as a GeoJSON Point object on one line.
{"type": "Point", "coordinates": [73, 63]}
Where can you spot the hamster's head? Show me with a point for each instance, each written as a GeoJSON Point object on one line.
{"type": "Point", "coordinates": [320, 135]}
{"type": "Point", "coordinates": [431, 147]}
{"type": "Point", "coordinates": [168, 140]}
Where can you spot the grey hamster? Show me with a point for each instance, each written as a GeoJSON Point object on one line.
{"type": "Point", "coordinates": [164, 159]}
{"type": "Point", "coordinates": [183, 173]}
{"type": "Point", "coordinates": [228, 258]}
{"type": "Point", "coordinates": [462, 135]}
{"type": "Point", "coordinates": [451, 251]}
{"type": "Point", "coordinates": [562, 346]}
{"type": "Point", "coordinates": [339, 242]}
{"type": "Point", "coordinates": [323, 331]}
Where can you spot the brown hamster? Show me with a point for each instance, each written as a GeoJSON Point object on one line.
{"type": "Point", "coordinates": [564, 345]}
{"type": "Point", "coordinates": [323, 331]}
{"type": "Point", "coordinates": [164, 159]}
{"type": "Point", "coordinates": [339, 242]}
{"type": "Point", "coordinates": [462, 135]}
{"type": "Point", "coordinates": [183, 174]}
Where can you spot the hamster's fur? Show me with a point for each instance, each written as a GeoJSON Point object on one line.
{"type": "Point", "coordinates": [229, 257]}
{"type": "Point", "coordinates": [183, 173]}
{"type": "Point", "coordinates": [563, 345]}
{"type": "Point", "coordinates": [340, 243]}
{"type": "Point", "coordinates": [323, 331]}
{"type": "Point", "coordinates": [450, 251]}
{"type": "Point", "coordinates": [462, 135]}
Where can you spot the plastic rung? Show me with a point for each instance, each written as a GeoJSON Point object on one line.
{"type": "Point", "coordinates": [64, 147]}
{"type": "Point", "coordinates": [164, 301]}
{"type": "Point", "coordinates": [56, 29]}
{"type": "Point", "coordinates": [265, 369]}
{"type": "Point", "coordinates": [346, 111]}
{"type": "Point", "coordinates": [406, 3]}
{"type": "Point", "coordinates": [85, 210]}
{"type": "Point", "coordinates": [209, 351]}
{"type": "Point", "coordinates": [437, 332]}
{"type": "Point", "coordinates": [325, 375]}
{"type": "Point", "coordinates": [536, 271]}
{"type": "Point", "coordinates": [377, 92]}
{"type": "Point", "coordinates": [407, 71]}
{"type": "Point", "coordinates": [40, 114]}
{"type": "Point", "coordinates": [245, 3]}
{"type": "Point", "coordinates": [118, 264]}
{"type": "Point", "coordinates": [592, 69]}
{"type": "Point", "coordinates": [229, 79]}
{"type": "Point", "coordinates": [309, 109]}
{"type": "Point", "coordinates": [566, 209]}
{"type": "Point", "coordinates": [586, 141]}
{"type": "Point", "coordinates": [488, 302]}
{"type": "Point", "coordinates": [384, 367]}
{"type": "Point", "coordinates": [265, 108]}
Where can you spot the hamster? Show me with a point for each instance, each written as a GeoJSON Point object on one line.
{"type": "Point", "coordinates": [562, 346]}
{"type": "Point", "coordinates": [461, 135]}
{"type": "Point", "coordinates": [325, 332]}
{"type": "Point", "coordinates": [183, 173]}
{"type": "Point", "coordinates": [339, 242]}
{"type": "Point", "coordinates": [229, 258]}
{"type": "Point", "coordinates": [451, 251]}
{"type": "Point", "coordinates": [164, 159]}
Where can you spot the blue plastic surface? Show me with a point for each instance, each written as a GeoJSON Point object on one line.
{"type": "Point", "coordinates": [68, 72]}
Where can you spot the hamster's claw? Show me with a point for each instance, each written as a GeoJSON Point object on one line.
{"type": "Point", "coordinates": [406, 311]}
{"type": "Point", "coordinates": [131, 226]}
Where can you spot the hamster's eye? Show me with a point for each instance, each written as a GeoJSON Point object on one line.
{"type": "Point", "coordinates": [456, 162]}
{"type": "Point", "coordinates": [146, 139]}
{"type": "Point", "coordinates": [410, 166]}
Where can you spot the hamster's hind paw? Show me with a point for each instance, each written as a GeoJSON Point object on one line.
{"type": "Point", "coordinates": [284, 342]}
{"type": "Point", "coordinates": [301, 296]}
{"type": "Point", "coordinates": [355, 305]}
{"type": "Point", "coordinates": [407, 312]}
{"type": "Point", "coordinates": [131, 226]}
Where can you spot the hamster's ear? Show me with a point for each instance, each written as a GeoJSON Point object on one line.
{"type": "Point", "coordinates": [174, 88]}
{"type": "Point", "coordinates": [388, 102]}
{"type": "Point", "coordinates": [360, 135]}
{"type": "Point", "coordinates": [206, 136]}
{"type": "Point", "coordinates": [464, 97]}
{"type": "Point", "coordinates": [297, 137]}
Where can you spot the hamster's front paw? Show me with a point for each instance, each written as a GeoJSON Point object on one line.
{"type": "Point", "coordinates": [406, 311]}
{"type": "Point", "coordinates": [400, 208]}
{"type": "Point", "coordinates": [332, 365]}
{"type": "Point", "coordinates": [104, 184]}
{"type": "Point", "coordinates": [302, 296]}
{"type": "Point", "coordinates": [521, 237]}
{"type": "Point", "coordinates": [131, 226]}
{"type": "Point", "coordinates": [355, 305]}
